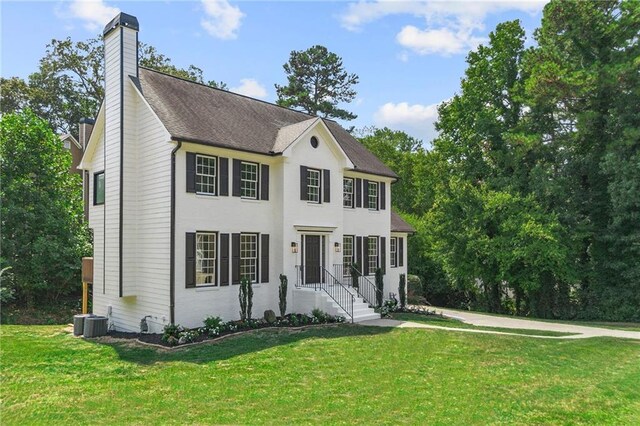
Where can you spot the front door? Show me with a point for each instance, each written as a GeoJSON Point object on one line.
{"type": "Point", "coordinates": [312, 258]}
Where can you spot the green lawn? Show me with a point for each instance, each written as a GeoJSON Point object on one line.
{"type": "Point", "coordinates": [447, 322]}
{"type": "Point", "coordinates": [337, 375]}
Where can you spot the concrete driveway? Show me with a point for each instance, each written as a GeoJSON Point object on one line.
{"type": "Point", "coordinates": [485, 320]}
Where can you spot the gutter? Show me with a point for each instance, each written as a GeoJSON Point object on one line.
{"type": "Point", "coordinates": [172, 262]}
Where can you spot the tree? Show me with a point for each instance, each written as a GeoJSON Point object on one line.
{"type": "Point", "coordinates": [43, 236]}
{"type": "Point", "coordinates": [316, 83]}
{"type": "Point", "coordinates": [69, 83]}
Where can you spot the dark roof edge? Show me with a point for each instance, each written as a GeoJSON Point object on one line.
{"type": "Point", "coordinates": [124, 20]}
{"type": "Point", "coordinates": [218, 145]}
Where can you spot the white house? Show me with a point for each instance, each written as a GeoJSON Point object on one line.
{"type": "Point", "coordinates": [191, 188]}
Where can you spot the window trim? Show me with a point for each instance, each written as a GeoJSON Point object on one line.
{"type": "Point", "coordinates": [214, 281]}
{"type": "Point", "coordinates": [373, 197]}
{"type": "Point", "coordinates": [256, 265]}
{"type": "Point", "coordinates": [370, 257]}
{"type": "Point", "coordinates": [257, 180]}
{"type": "Point", "coordinates": [95, 188]}
{"type": "Point", "coordinates": [393, 251]}
{"type": "Point", "coordinates": [352, 195]}
{"type": "Point", "coordinates": [309, 186]}
{"type": "Point", "coordinates": [215, 175]}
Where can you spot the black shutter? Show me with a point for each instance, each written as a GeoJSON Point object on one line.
{"type": "Point", "coordinates": [224, 259]}
{"type": "Point", "coordinates": [235, 258]}
{"type": "Point", "coordinates": [190, 260]}
{"type": "Point", "coordinates": [223, 172]}
{"type": "Point", "coordinates": [359, 254]}
{"type": "Point", "coordinates": [383, 254]}
{"type": "Point", "coordinates": [264, 183]}
{"type": "Point", "coordinates": [358, 192]}
{"type": "Point", "coordinates": [191, 172]}
{"type": "Point", "coordinates": [264, 254]}
{"type": "Point", "coordinates": [383, 195]}
{"type": "Point", "coordinates": [400, 251]}
{"type": "Point", "coordinates": [327, 186]}
{"type": "Point", "coordinates": [236, 178]}
{"type": "Point", "coordinates": [304, 193]}
{"type": "Point", "coordinates": [365, 193]}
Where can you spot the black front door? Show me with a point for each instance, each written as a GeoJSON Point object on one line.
{"type": "Point", "coordinates": [312, 256]}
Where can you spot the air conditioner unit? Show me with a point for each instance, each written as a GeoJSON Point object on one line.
{"type": "Point", "coordinates": [78, 323]}
{"type": "Point", "coordinates": [95, 326]}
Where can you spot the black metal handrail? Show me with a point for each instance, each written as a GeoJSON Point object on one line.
{"type": "Point", "coordinates": [365, 287]}
{"type": "Point", "coordinates": [319, 278]}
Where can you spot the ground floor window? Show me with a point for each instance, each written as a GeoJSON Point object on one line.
{"type": "Point", "coordinates": [394, 252]}
{"type": "Point", "coordinates": [347, 254]}
{"type": "Point", "coordinates": [373, 255]}
{"type": "Point", "coordinates": [249, 256]}
{"type": "Point", "coordinates": [205, 258]}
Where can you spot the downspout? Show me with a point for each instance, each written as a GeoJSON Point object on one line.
{"type": "Point", "coordinates": [172, 273]}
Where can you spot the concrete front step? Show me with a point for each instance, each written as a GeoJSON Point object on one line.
{"type": "Point", "coordinates": [366, 317]}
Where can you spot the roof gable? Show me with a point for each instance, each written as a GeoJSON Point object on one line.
{"type": "Point", "coordinates": [201, 114]}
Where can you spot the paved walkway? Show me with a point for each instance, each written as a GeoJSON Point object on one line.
{"type": "Point", "coordinates": [484, 320]}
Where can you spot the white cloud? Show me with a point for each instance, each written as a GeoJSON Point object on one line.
{"type": "Point", "coordinates": [250, 87]}
{"type": "Point", "coordinates": [94, 13]}
{"type": "Point", "coordinates": [417, 120]}
{"type": "Point", "coordinates": [223, 20]}
{"type": "Point", "coordinates": [451, 27]}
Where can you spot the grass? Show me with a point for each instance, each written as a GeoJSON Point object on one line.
{"type": "Point", "coordinates": [447, 322]}
{"type": "Point", "coordinates": [336, 375]}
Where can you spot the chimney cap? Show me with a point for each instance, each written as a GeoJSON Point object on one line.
{"type": "Point", "coordinates": [85, 120]}
{"type": "Point", "coordinates": [122, 19]}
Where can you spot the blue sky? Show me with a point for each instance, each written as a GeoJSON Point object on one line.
{"type": "Point", "coordinates": [409, 55]}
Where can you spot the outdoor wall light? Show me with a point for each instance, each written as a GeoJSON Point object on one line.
{"type": "Point", "coordinates": [294, 247]}
{"type": "Point", "coordinates": [336, 246]}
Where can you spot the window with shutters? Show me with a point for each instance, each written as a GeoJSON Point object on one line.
{"type": "Point", "coordinates": [205, 259]}
{"type": "Point", "coordinates": [98, 188]}
{"type": "Point", "coordinates": [313, 185]}
{"type": "Point", "coordinates": [347, 254]}
{"type": "Point", "coordinates": [347, 191]}
{"type": "Point", "coordinates": [206, 174]}
{"type": "Point", "coordinates": [393, 252]}
{"type": "Point", "coordinates": [249, 180]}
{"type": "Point", "coordinates": [373, 255]}
{"type": "Point", "coordinates": [373, 196]}
{"type": "Point", "coordinates": [249, 256]}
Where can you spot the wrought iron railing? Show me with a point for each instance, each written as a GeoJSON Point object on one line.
{"type": "Point", "coordinates": [318, 278]}
{"type": "Point", "coordinates": [365, 288]}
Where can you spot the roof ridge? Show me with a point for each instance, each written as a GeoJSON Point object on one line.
{"type": "Point", "coordinates": [230, 92]}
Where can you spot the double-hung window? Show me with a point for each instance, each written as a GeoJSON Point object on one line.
{"type": "Point", "coordinates": [206, 168]}
{"type": "Point", "coordinates": [347, 191]}
{"type": "Point", "coordinates": [249, 257]}
{"type": "Point", "coordinates": [98, 188]}
{"type": "Point", "coordinates": [313, 185]}
{"type": "Point", "coordinates": [373, 196]}
{"type": "Point", "coordinates": [249, 180]}
{"type": "Point", "coordinates": [347, 254]}
{"type": "Point", "coordinates": [205, 259]}
{"type": "Point", "coordinates": [394, 251]}
{"type": "Point", "coordinates": [373, 255]}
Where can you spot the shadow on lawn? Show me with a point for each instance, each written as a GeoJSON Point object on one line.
{"type": "Point", "coordinates": [235, 345]}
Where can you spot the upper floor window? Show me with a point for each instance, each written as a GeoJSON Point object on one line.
{"type": "Point", "coordinates": [205, 258]}
{"type": "Point", "coordinates": [394, 251]}
{"type": "Point", "coordinates": [98, 188]}
{"type": "Point", "coordinates": [206, 174]}
{"type": "Point", "coordinates": [249, 180]}
{"type": "Point", "coordinates": [249, 257]}
{"type": "Point", "coordinates": [372, 196]}
{"type": "Point", "coordinates": [313, 185]}
{"type": "Point", "coordinates": [347, 191]}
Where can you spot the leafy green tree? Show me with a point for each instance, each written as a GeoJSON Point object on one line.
{"type": "Point", "coordinates": [43, 236]}
{"type": "Point", "coordinates": [69, 83]}
{"type": "Point", "coordinates": [317, 83]}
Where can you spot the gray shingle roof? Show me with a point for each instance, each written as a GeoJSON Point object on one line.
{"type": "Point", "coordinates": [399, 225]}
{"type": "Point", "coordinates": [201, 114]}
